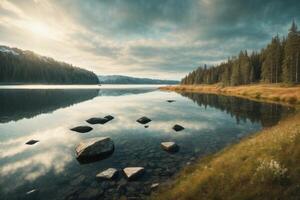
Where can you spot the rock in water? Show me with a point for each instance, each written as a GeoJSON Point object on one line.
{"type": "Point", "coordinates": [97, 120]}
{"type": "Point", "coordinates": [177, 127]}
{"type": "Point", "coordinates": [110, 173]}
{"type": "Point", "coordinates": [170, 146]}
{"type": "Point", "coordinates": [31, 142]}
{"type": "Point", "coordinates": [94, 149]}
{"type": "Point", "coordinates": [133, 172]}
{"type": "Point", "coordinates": [170, 101]}
{"type": "Point", "coordinates": [109, 117]}
{"type": "Point", "coordinates": [143, 120]}
{"type": "Point", "coordinates": [82, 129]}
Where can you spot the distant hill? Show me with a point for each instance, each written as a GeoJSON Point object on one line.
{"type": "Point", "coordinates": [26, 67]}
{"type": "Point", "coordinates": [117, 79]}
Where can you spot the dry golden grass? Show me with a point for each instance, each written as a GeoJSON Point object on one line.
{"type": "Point", "coordinates": [269, 92]}
{"type": "Point", "coordinates": [263, 166]}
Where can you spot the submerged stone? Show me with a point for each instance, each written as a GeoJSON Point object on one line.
{"type": "Point", "coordinates": [133, 172]}
{"type": "Point", "coordinates": [108, 174]}
{"type": "Point", "coordinates": [94, 149]}
{"type": "Point", "coordinates": [177, 127]}
{"type": "Point", "coordinates": [143, 120]}
{"type": "Point", "coordinates": [146, 126]}
{"type": "Point", "coordinates": [82, 129]}
{"type": "Point", "coordinates": [170, 146]}
{"type": "Point", "coordinates": [91, 193]}
{"type": "Point", "coordinates": [31, 142]}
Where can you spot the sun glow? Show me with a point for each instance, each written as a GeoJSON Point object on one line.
{"type": "Point", "coordinates": [39, 29]}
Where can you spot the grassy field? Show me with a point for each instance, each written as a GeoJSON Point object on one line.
{"type": "Point", "coordinates": [264, 166]}
{"type": "Point", "coordinates": [265, 92]}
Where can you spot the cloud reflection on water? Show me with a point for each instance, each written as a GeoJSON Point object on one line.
{"type": "Point", "coordinates": [207, 129]}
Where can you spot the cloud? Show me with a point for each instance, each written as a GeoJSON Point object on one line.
{"type": "Point", "coordinates": [145, 38]}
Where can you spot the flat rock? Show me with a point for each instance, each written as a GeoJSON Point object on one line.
{"type": "Point", "coordinates": [170, 101]}
{"type": "Point", "coordinates": [31, 142]}
{"type": "Point", "coordinates": [169, 146]}
{"type": "Point", "coordinates": [144, 120]}
{"type": "Point", "coordinates": [146, 126]}
{"type": "Point", "coordinates": [94, 149]}
{"type": "Point", "coordinates": [82, 129]}
{"type": "Point", "coordinates": [108, 174]}
{"type": "Point", "coordinates": [177, 127]}
{"type": "Point", "coordinates": [97, 120]}
{"type": "Point", "coordinates": [132, 173]}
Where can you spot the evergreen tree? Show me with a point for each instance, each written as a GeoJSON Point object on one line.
{"type": "Point", "coordinates": [291, 58]}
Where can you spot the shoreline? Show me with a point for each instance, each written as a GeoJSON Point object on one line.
{"type": "Point", "coordinates": [275, 93]}
{"type": "Point", "coordinates": [248, 169]}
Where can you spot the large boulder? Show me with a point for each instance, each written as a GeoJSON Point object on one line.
{"type": "Point", "coordinates": [82, 129]}
{"type": "Point", "coordinates": [143, 120]}
{"type": "Point", "coordinates": [94, 149]}
{"type": "Point", "coordinates": [108, 174]}
{"type": "Point", "coordinates": [170, 146]}
{"type": "Point", "coordinates": [132, 173]}
{"type": "Point", "coordinates": [177, 127]}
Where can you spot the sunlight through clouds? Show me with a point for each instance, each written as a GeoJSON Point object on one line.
{"type": "Point", "coordinates": [164, 39]}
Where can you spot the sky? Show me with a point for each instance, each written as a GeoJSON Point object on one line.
{"type": "Point", "coordinates": [146, 38]}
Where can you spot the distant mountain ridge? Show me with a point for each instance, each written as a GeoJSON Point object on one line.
{"type": "Point", "coordinates": [26, 67]}
{"type": "Point", "coordinates": [119, 79]}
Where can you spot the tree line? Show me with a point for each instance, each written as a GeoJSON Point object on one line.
{"type": "Point", "coordinates": [19, 67]}
{"type": "Point", "coordinates": [276, 63]}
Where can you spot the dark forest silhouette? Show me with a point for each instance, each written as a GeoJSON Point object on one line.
{"type": "Point", "coordinates": [25, 67]}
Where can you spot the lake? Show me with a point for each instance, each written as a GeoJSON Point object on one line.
{"type": "Point", "coordinates": [49, 169]}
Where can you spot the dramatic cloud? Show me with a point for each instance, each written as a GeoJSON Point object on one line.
{"type": "Point", "coordinates": [154, 38]}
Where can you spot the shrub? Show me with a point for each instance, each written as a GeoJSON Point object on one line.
{"type": "Point", "coordinates": [271, 172]}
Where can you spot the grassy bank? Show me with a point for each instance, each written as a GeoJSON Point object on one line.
{"type": "Point", "coordinates": [266, 92]}
{"type": "Point", "coordinates": [263, 166]}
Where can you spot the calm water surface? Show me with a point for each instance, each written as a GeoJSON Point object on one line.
{"type": "Point", "coordinates": [50, 168]}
